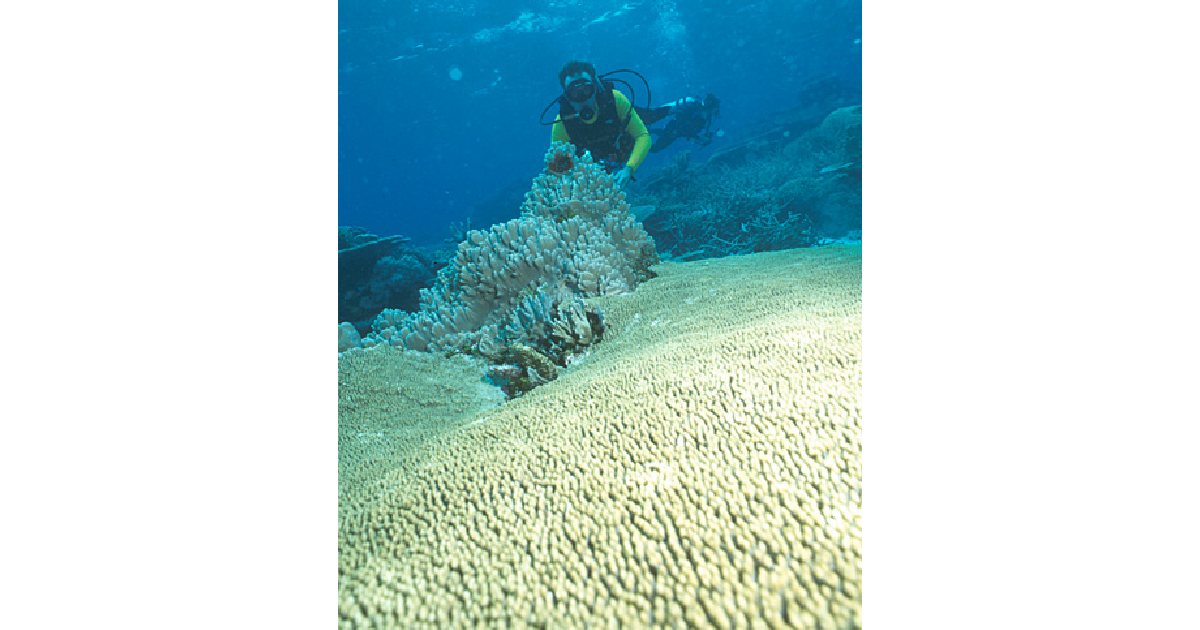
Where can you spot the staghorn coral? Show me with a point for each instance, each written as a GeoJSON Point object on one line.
{"type": "Point", "coordinates": [520, 281]}
{"type": "Point", "coordinates": [702, 469]}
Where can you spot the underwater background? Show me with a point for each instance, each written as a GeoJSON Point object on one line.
{"type": "Point", "coordinates": [438, 102]}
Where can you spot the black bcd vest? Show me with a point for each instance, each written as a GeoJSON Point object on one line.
{"type": "Point", "coordinates": [605, 137]}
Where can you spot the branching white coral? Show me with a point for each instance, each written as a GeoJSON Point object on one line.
{"type": "Point", "coordinates": [524, 279]}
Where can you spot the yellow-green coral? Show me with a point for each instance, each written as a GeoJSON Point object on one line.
{"type": "Point", "coordinates": [701, 468]}
{"type": "Point", "coordinates": [390, 403]}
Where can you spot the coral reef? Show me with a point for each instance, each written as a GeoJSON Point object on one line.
{"type": "Point", "coordinates": [772, 192]}
{"type": "Point", "coordinates": [560, 162]}
{"type": "Point", "coordinates": [348, 337]}
{"type": "Point", "coordinates": [547, 332]}
{"type": "Point", "coordinates": [378, 272]}
{"type": "Point", "coordinates": [521, 282]}
{"type": "Point", "coordinates": [702, 469]}
{"type": "Point", "coordinates": [391, 402]}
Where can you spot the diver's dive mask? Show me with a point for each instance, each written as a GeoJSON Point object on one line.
{"type": "Point", "coordinates": [580, 90]}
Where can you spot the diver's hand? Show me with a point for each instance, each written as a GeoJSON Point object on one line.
{"type": "Point", "coordinates": [622, 177]}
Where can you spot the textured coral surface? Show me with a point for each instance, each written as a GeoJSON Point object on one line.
{"type": "Point", "coordinates": [700, 468]}
{"type": "Point", "coordinates": [575, 237]}
{"type": "Point", "coordinates": [778, 191]}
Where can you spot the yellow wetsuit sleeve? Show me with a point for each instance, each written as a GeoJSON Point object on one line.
{"type": "Point", "coordinates": [636, 128]}
{"type": "Point", "coordinates": [558, 133]}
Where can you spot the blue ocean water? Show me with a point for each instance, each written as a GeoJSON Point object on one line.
{"type": "Point", "coordinates": [439, 100]}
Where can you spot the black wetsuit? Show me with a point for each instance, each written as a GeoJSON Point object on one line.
{"type": "Point", "coordinates": [606, 138]}
{"type": "Point", "coordinates": [691, 120]}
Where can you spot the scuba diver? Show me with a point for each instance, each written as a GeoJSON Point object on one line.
{"type": "Point", "coordinates": [596, 117]}
{"type": "Point", "coordinates": [692, 120]}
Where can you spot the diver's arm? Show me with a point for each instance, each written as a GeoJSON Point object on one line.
{"type": "Point", "coordinates": [636, 128]}
{"type": "Point", "coordinates": [558, 133]}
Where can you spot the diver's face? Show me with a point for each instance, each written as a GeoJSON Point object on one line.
{"type": "Point", "coordinates": [580, 90]}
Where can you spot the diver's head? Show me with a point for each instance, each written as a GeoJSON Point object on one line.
{"type": "Point", "coordinates": [712, 102]}
{"type": "Point", "coordinates": [573, 70]}
{"type": "Point", "coordinates": [578, 82]}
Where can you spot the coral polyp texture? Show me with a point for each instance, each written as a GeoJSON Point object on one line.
{"type": "Point", "coordinates": [787, 187]}
{"type": "Point", "coordinates": [701, 469]}
{"type": "Point", "coordinates": [575, 239]}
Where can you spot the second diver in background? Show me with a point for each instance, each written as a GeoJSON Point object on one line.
{"type": "Point", "coordinates": [691, 119]}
